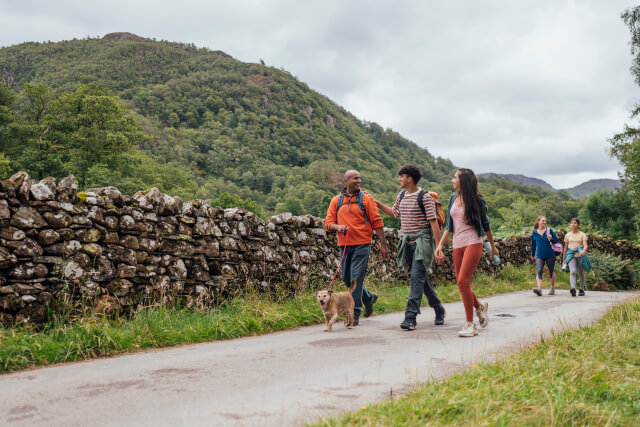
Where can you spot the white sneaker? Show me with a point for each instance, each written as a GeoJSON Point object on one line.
{"type": "Point", "coordinates": [483, 318]}
{"type": "Point", "coordinates": [469, 330]}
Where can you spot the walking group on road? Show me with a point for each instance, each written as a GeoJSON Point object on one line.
{"type": "Point", "coordinates": [545, 246]}
{"type": "Point", "coordinates": [354, 216]}
{"type": "Point", "coordinates": [354, 213]}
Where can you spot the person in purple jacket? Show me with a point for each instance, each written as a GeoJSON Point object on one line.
{"type": "Point", "coordinates": [542, 253]}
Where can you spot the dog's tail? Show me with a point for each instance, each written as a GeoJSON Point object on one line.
{"type": "Point", "coordinates": [353, 284]}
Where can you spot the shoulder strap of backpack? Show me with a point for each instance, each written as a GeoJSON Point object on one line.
{"type": "Point", "coordinates": [340, 201]}
{"type": "Point", "coordinates": [402, 193]}
{"type": "Point", "coordinates": [361, 204]}
{"type": "Point", "coordinates": [421, 201]}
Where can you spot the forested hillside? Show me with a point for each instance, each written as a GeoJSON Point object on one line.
{"type": "Point", "coordinates": [246, 129]}
{"type": "Point", "coordinates": [136, 113]}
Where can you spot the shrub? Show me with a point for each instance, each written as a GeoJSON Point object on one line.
{"type": "Point", "coordinates": [636, 273]}
{"type": "Point", "coordinates": [613, 270]}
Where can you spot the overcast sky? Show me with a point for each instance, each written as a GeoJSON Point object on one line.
{"type": "Point", "coordinates": [526, 87]}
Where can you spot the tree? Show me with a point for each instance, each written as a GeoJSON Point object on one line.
{"type": "Point", "coordinates": [291, 204]}
{"type": "Point", "coordinates": [38, 96]}
{"type": "Point", "coordinates": [626, 145]}
{"type": "Point", "coordinates": [610, 213]}
{"type": "Point", "coordinates": [7, 98]}
{"type": "Point", "coordinates": [5, 167]}
{"type": "Point", "coordinates": [90, 127]}
{"type": "Point", "coordinates": [7, 116]}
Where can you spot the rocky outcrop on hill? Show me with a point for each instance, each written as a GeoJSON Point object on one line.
{"type": "Point", "coordinates": [111, 251]}
{"type": "Point", "coordinates": [124, 36]}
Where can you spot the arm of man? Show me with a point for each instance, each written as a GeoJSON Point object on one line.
{"type": "Point", "coordinates": [394, 211]}
{"type": "Point", "coordinates": [331, 220]}
{"type": "Point", "coordinates": [430, 211]}
{"type": "Point", "coordinates": [439, 248]}
{"type": "Point", "coordinates": [384, 208]}
{"type": "Point", "coordinates": [376, 223]}
{"type": "Point", "coordinates": [436, 230]}
{"type": "Point", "coordinates": [384, 250]}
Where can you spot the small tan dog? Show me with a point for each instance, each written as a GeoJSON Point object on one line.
{"type": "Point", "coordinates": [336, 303]}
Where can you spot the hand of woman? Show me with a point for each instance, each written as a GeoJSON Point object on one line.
{"type": "Point", "coordinates": [533, 258]}
{"type": "Point", "coordinates": [439, 255]}
{"type": "Point", "coordinates": [494, 251]}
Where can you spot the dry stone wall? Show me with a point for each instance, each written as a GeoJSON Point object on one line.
{"type": "Point", "coordinates": [112, 251]}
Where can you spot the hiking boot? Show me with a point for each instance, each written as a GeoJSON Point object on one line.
{"type": "Point", "coordinates": [441, 313]}
{"type": "Point", "coordinates": [368, 308]}
{"type": "Point", "coordinates": [573, 292]}
{"type": "Point", "coordinates": [355, 321]}
{"type": "Point", "coordinates": [408, 324]}
{"type": "Point", "coordinates": [552, 291]}
{"type": "Point", "coordinates": [483, 318]}
{"type": "Point", "coordinates": [581, 292]}
{"type": "Point", "coordinates": [469, 330]}
{"type": "Point", "coordinates": [537, 291]}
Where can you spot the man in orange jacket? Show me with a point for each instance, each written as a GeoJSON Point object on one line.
{"type": "Point", "coordinates": [354, 216]}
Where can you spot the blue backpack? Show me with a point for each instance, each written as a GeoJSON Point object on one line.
{"type": "Point", "coordinates": [358, 201]}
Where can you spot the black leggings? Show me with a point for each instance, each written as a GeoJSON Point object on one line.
{"type": "Point", "coordinates": [551, 262]}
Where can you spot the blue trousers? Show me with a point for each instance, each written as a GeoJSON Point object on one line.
{"type": "Point", "coordinates": [354, 265]}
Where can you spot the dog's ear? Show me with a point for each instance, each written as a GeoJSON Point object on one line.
{"type": "Point", "coordinates": [330, 292]}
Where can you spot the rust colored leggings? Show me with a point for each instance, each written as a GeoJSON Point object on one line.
{"type": "Point", "coordinates": [465, 261]}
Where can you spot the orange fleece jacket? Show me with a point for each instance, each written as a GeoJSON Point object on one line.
{"type": "Point", "coordinates": [353, 217]}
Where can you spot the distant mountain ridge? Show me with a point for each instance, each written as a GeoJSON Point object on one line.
{"type": "Point", "coordinates": [579, 191]}
{"type": "Point", "coordinates": [526, 180]}
{"type": "Point", "coordinates": [589, 187]}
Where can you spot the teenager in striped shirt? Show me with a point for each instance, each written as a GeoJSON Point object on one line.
{"type": "Point", "coordinates": [419, 234]}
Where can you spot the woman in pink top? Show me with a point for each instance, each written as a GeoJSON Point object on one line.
{"type": "Point", "coordinates": [467, 220]}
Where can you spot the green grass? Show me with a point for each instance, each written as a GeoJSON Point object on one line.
{"type": "Point", "coordinates": [589, 376]}
{"type": "Point", "coordinates": [253, 314]}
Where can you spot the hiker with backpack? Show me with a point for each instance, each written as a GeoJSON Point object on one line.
{"type": "Point", "coordinates": [353, 215]}
{"type": "Point", "coordinates": [467, 220]}
{"type": "Point", "coordinates": [543, 241]}
{"type": "Point", "coordinates": [419, 232]}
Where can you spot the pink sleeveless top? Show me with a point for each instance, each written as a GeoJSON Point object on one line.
{"type": "Point", "coordinates": [463, 233]}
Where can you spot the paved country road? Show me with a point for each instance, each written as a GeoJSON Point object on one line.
{"type": "Point", "coordinates": [285, 378]}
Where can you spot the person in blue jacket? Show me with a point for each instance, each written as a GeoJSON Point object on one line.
{"type": "Point", "coordinates": [542, 252]}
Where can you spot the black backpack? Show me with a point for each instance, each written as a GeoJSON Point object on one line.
{"type": "Point", "coordinates": [439, 211]}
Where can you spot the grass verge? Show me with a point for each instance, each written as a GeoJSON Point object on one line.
{"type": "Point", "coordinates": [589, 376]}
{"type": "Point", "coordinates": [252, 314]}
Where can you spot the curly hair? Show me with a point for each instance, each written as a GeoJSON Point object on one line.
{"type": "Point", "coordinates": [411, 170]}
